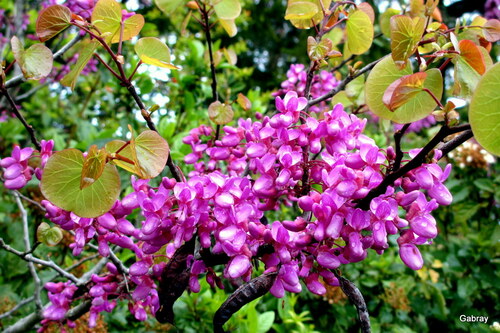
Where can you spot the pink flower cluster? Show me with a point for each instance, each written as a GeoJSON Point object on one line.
{"type": "Point", "coordinates": [322, 83]}
{"type": "Point", "coordinates": [318, 166]}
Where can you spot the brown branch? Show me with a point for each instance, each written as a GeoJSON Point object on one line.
{"type": "Point", "coordinates": [354, 294]}
{"type": "Point", "coordinates": [399, 153]}
{"type": "Point", "coordinates": [15, 110]}
{"type": "Point", "coordinates": [414, 163]}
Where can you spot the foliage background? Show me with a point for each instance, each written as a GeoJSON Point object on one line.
{"type": "Point", "coordinates": [461, 272]}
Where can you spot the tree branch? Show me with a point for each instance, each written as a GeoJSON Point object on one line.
{"type": "Point", "coordinates": [27, 246]}
{"type": "Point", "coordinates": [342, 84]}
{"type": "Point", "coordinates": [356, 298]}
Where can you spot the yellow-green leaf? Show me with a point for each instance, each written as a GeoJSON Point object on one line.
{"type": "Point", "coordinates": [51, 21]}
{"type": "Point", "coordinates": [168, 6]}
{"type": "Point", "coordinates": [306, 22]}
{"type": "Point", "coordinates": [35, 62]}
{"type": "Point", "coordinates": [93, 166]}
{"type": "Point", "coordinates": [85, 52]}
{"type": "Point", "coordinates": [60, 184]}
{"type": "Point", "coordinates": [385, 20]}
{"type": "Point", "coordinates": [301, 10]}
{"type": "Point", "coordinates": [150, 153]}
{"type": "Point", "coordinates": [153, 51]}
{"type": "Point", "coordinates": [47, 235]}
{"type": "Point", "coordinates": [229, 26]}
{"type": "Point", "coordinates": [405, 35]}
{"type": "Point", "coordinates": [359, 30]}
{"type": "Point", "coordinates": [227, 9]}
{"type": "Point", "coordinates": [419, 107]}
{"type": "Point", "coordinates": [107, 18]}
{"type": "Point", "coordinates": [484, 111]}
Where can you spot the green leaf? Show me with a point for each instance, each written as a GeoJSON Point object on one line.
{"type": "Point", "coordinates": [35, 62]}
{"type": "Point", "coordinates": [405, 35]}
{"type": "Point", "coordinates": [150, 154]}
{"type": "Point", "coordinates": [61, 185]}
{"type": "Point", "coordinates": [385, 20]}
{"type": "Point", "coordinates": [85, 52]}
{"type": "Point", "coordinates": [168, 6]}
{"type": "Point", "coordinates": [303, 9]}
{"type": "Point", "coordinates": [229, 26]}
{"type": "Point", "coordinates": [47, 235]}
{"type": "Point", "coordinates": [403, 90]}
{"type": "Point", "coordinates": [485, 184]}
{"type": "Point", "coordinates": [107, 18]}
{"type": "Point", "coordinates": [220, 113]}
{"type": "Point", "coordinates": [51, 21]}
{"type": "Point", "coordinates": [265, 322]}
{"type": "Point", "coordinates": [359, 30]}
{"type": "Point", "coordinates": [484, 111]}
{"type": "Point", "coordinates": [320, 50]}
{"type": "Point", "coordinates": [227, 9]}
{"type": "Point", "coordinates": [93, 166]}
{"type": "Point", "coordinates": [420, 106]}
{"type": "Point", "coordinates": [153, 51]}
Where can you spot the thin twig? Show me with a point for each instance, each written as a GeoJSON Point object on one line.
{"type": "Point", "coordinates": [17, 307]}
{"type": "Point", "coordinates": [30, 258]}
{"type": "Point", "coordinates": [399, 153]}
{"type": "Point", "coordinates": [343, 83]}
{"type": "Point", "coordinates": [15, 110]}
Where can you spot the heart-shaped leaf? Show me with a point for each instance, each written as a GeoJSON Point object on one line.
{"type": "Point", "coordinates": [484, 111]}
{"type": "Point", "coordinates": [107, 18]}
{"type": "Point", "coordinates": [153, 51]}
{"type": "Point", "coordinates": [35, 62]}
{"type": "Point", "coordinates": [299, 12]}
{"type": "Point", "coordinates": [319, 50]}
{"type": "Point", "coordinates": [385, 20]}
{"type": "Point", "coordinates": [403, 89]}
{"type": "Point", "coordinates": [85, 52]}
{"type": "Point", "coordinates": [220, 113]}
{"type": "Point", "coordinates": [61, 185]}
{"type": "Point", "coordinates": [471, 53]}
{"type": "Point", "coordinates": [51, 21]}
{"type": "Point", "coordinates": [168, 6]}
{"type": "Point", "coordinates": [359, 30]}
{"type": "Point", "coordinates": [418, 107]}
{"type": "Point", "coordinates": [47, 235]}
{"type": "Point", "coordinates": [492, 30]}
{"type": "Point", "coordinates": [93, 166]}
{"type": "Point", "coordinates": [405, 35]}
{"type": "Point", "coordinates": [227, 9]}
{"type": "Point", "coordinates": [229, 26]}
{"type": "Point", "coordinates": [150, 153]}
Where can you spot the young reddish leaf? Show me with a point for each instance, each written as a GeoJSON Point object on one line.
{"type": "Point", "coordinates": [47, 235]}
{"type": "Point", "coordinates": [60, 184]}
{"type": "Point", "coordinates": [484, 111]}
{"type": "Point", "coordinates": [359, 30]}
{"type": "Point", "coordinates": [93, 166]}
{"type": "Point", "coordinates": [365, 7]}
{"type": "Point", "coordinates": [35, 62]}
{"type": "Point", "coordinates": [107, 18]}
{"type": "Point", "coordinates": [229, 26]}
{"type": "Point", "coordinates": [153, 51]}
{"type": "Point", "coordinates": [85, 52]}
{"type": "Point", "coordinates": [492, 30]}
{"type": "Point", "coordinates": [403, 89]}
{"type": "Point", "coordinates": [318, 51]}
{"type": "Point", "coordinates": [150, 153]}
{"type": "Point", "coordinates": [420, 106]}
{"type": "Point", "coordinates": [405, 35]}
{"type": "Point", "coordinates": [227, 9]}
{"type": "Point", "coordinates": [51, 21]}
{"type": "Point", "coordinates": [220, 113]}
{"type": "Point", "coordinates": [230, 56]}
{"type": "Point", "coordinates": [244, 102]}
{"type": "Point", "coordinates": [471, 53]}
